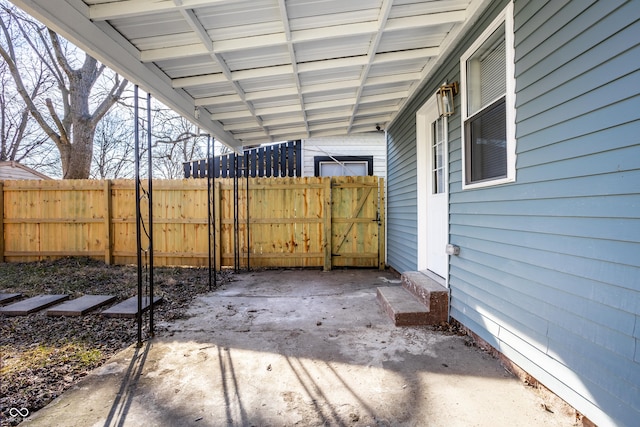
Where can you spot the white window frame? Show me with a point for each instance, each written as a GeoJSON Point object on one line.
{"type": "Point", "coordinates": [506, 17]}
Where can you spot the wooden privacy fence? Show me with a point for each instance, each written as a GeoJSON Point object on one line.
{"type": "Point", "coordinates": [292, 222]}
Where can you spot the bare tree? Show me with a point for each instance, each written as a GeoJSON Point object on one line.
{"type": "Point", "coordinates": [18, 136]}
{"type": "Point", "coordinates": [176, 141]}
{"type": "Point", "coordinates": [113, 154]}
{"type": "Point", "coordinates": [69, 121]}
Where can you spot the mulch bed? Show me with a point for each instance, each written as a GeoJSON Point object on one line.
{"type": "Point", "coordinates": [42, 356]}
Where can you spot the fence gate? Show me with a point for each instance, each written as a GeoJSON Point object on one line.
{"type": "Point", "coordinates": [357, 228]}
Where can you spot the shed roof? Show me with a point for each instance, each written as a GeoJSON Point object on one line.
{"type": "Point", "coordinates": [15, 170]}
{"type": "Point", "coordinates": [253, 71]}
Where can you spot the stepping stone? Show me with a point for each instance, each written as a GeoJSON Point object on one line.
{"type": "Point", "coordinates": [31, 305]}
{"type": "Point", "coordinates": [80, 306]}
{"type": "Point", "coordinates": [129, 307]}
{"type": "Point", "coordinates": [5, 298]}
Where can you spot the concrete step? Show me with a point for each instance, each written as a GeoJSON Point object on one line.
{"type": "Point", "coordinates": [129, 307]}
{"type": "Point", "coordinates": [402, 307]}
{"type": "Point", "coordinates": [31, 305]}
{"type": "Point", "coordinates": [419, 301]}
{"type": "Point", "coordinates": [430, 293]}
{"type": "Point", "coordinates": [80, 306]}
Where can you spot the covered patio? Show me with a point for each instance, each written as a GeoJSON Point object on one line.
{"type": "Point", "coordinates": [256, 71]}
{"type": "Point", "coordinates": [301, 347]}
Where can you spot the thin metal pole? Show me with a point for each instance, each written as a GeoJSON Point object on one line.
{"type": "Point", "coordinates": [246, 164]}
{"type": "Point", "coordinates": [213, 185]}
{"type": "Point", "coordinates": [138, 216]}
{"type": "Point", "coordinates": [150, 196]}
{"type": "Point", "coordinates": [236, 254]}
{"type": "Point", "coordinates": [209, 170]}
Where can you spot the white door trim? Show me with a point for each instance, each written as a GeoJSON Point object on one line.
{"type": "Point", "coordinates": [427, 114]}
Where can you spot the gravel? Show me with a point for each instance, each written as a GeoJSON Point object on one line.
{"type": "Point", "coordinates": [42, 356]}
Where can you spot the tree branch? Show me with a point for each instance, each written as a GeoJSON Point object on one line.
{"type": "Point", "coordinates": [60, 58]}
{"type": "Point", "coordinates": [109, 100]}
{"type": "Point", "coordinates": [22, 90]}
{"type": "Point", "coordinates": [64, 137]}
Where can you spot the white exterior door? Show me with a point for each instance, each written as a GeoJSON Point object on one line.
{"type": "Point", "coordinates": [433, 190]}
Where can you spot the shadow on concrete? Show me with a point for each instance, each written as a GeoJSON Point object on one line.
{"type": "Point", "coordinates": [122, 402]}
{"type": "Point", "coordinates": [299, 347]}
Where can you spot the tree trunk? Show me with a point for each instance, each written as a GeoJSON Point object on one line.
{"type": "Point", "coordinates": [76, 157]}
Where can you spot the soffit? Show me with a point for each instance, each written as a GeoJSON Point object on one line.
{"type": "Point", "coordinates": [254, 71]}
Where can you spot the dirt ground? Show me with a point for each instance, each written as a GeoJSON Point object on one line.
{"type": "Point", "coordinates": [42, 356]}
{"type": "Point", "coordinates": [301, 347]}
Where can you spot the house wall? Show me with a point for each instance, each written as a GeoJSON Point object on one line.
{"type": "Point", "coordinates": [549, 268]}
{"type": "Point", "coordinates": [402, 211]}
{"type": "Point", "coordinates": [362, 144]}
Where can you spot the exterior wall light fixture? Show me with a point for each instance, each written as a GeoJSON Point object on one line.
{"type": "Point", "coordinates": [445, 96]}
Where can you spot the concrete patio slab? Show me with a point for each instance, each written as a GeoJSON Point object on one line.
{"type": "Point", "coordinates": [306, 348]}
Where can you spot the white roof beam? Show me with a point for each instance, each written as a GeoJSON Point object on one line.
{"type": "Point", "coordinates": [292, 55]}
{"type": "Point", "coordinates": [385, 9]}
{"type": "Point", "coordinates": [202, 34]}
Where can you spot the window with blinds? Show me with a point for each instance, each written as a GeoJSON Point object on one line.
{"type": "Point", "coordinates": [484, 111]}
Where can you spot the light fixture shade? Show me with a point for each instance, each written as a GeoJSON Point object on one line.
{"type": "Point", "coordinates": [444, 98]}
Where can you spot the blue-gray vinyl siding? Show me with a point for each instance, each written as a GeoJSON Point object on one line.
{"type": "Point", "coordinates": [549, 269]}
{"type": "Point", "coordinates": [402, 210]}
{"type": "Point", "coordinates": [402, 246]}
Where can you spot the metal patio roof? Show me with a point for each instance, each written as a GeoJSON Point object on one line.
{"type": "Point", "coordinates": [254, 71]}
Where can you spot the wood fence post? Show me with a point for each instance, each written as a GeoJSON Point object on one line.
{"type": "Point", "coordinates": [1, 221]}
{"type": "Point", "coordinates": [217, 220]}
{"type": "Point", "coordinates": [107, 222]}
{"type": "Point", "coordinates": [382, 259]}
{"type": "Point", "coordinates": [327, 229]}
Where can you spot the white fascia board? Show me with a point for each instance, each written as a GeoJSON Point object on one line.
{"type": "Point", "coordinates": [110, 49]}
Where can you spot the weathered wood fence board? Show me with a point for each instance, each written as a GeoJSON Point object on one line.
{"type": "Point", "coordinates": [292, 222]}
